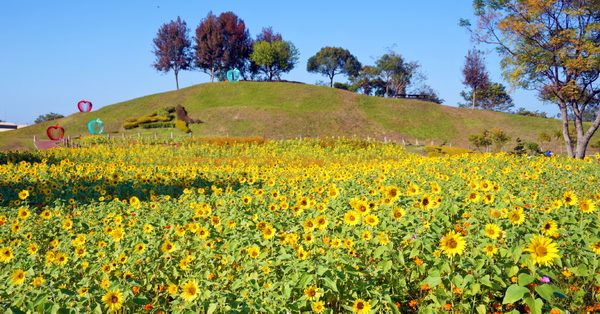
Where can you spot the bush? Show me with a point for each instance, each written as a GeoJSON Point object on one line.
{"type": "Point", "coordinates": [437, 150]}
{"type": "Point", "coordinates": [129, 125]}
{"type": "Point", "coordinates": [182, 126]}
{"type": "Point", "coordinates": [156, 125]}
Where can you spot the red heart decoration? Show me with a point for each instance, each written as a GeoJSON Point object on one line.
{"type": "Point", "coordinates": [55, 132]}
{"type": "Point", "coordinates": [84, 106]}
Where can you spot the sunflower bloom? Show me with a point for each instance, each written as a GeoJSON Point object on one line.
{"type": "Point", "coordinates": [490, 250]}
{"type": "Point", "coordinates": [351, 218]}
{"type": "Point", "coordinates": [492, 231]}
{"type": "Point", "coordinates": [587, 206]}
{"type": "Point", "coordinates": [168, 247]}
{"type": "Point", "coordinates": [371, 220]}
{"type": "Point", "coordinates": [453, 243]}
{"type": "Point", "coordinates": [517, 216]}
{"type": "Point", "coordinates": [318, 307]}
{"type": "Point", "coordinates": [549, 227]}
{"type": "Point", "coordinates": [361, 306]}
{"type": "Point", "coordinates": [570, 198]}
{"type": "Point", "coordinates": [18, 277]}
{"type": "Point", "coordinates": [595, 247]}
{"type": "Point", "coordinates": [312, 293]}
{"type": "Point", "coordinates": [543, 251]}
{"type": "Point", "coordinates": [113, 300]}
{"type": "Point", "coordinates": [190, 290]}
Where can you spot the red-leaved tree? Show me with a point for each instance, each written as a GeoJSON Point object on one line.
{"type": "Point", "coordinates": [172, 48]}
{"type": "Point", "coordinates": [222, 44]}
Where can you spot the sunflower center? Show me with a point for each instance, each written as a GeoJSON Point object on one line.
{"type": "Point", "coordinates": [360, 306]}
{"type": "Point", "coordinates": [452, 243]}
{"type": "Point", "coordinates": [541, 250]}
{"type": "Point", "coordinates": [114, 299]}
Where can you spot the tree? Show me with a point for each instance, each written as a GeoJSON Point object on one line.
{"type": "Point", "coordinates": [48, 117]}
{"type": "Point", "coordinates": [475, 74]}
{"type": "Point", "coordinates": [222, 44]}
{"type": "Point", "coordinates": [268, 35]}
{"type": "Point", "coordinates": [499, 138]}
{"type": "Point", "coordinates": [480, 139]}
{"type": "Point", "coordinates": [210, 46]}
{"type": "Point", "coordinates": [551, 46]}
{"type": "Point", "coordinates": [366, 80]}
{"type": "Point", "coordinates": [331, 61]}
{"type": "Point", "coordinates": [492, 96]}
{"type": "Point", "coordinates": [274, 58]}
{"type": "Point", "coordinates": [172, 48]}
{"type": "Point", "coordinates": [237, 44]}
{"type": "Point", "coordinates": [395, 72]}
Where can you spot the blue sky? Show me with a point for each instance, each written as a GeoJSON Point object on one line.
{"type": "Point", "coordinates": [56, 53]}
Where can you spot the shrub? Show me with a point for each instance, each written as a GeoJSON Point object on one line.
{"type": "Point", "coordinates": [129, 125]}
{"type": "Point", "coordinates": [437, 150]}
{"type": "Point", "coordinates": [156, 125]}
{"type": "Point", "coordinates": [182, 126]}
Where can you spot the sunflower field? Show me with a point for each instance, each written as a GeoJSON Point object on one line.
{"type": "Point", "coordinates": [249, 225]}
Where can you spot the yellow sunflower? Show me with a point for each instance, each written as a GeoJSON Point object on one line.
{"type": "Point", "coordinates": [398, 213]}
{"type": "Point", "coordinates": [452, 243]}
{"type": "Point", "coordinates": [587, 205]}
{"type": "Point", "coordinates": [254, 252]}
{"type": "Point", "coordinates": [190, 290]}
{"type": "Point", "coordinates": [318, 307]}
{"type": "Point", "coordinates": [168, 247]}
{"type": "Point", "coordinates": [517, 216]}
{"type": "Point", "coordinates": [570, 198]}
{"type": "Point", "coordinates": [18, 277]}
{"type": "Point", "coordinates": [490, 250]}
{"type": "Point", "coordinates": [361, 306]}
{"type": "Point", "coordinates": [312, 293]}
{"type": "Point", "coordinates": [595, 247]}
{"type": "Point", "coordinates": [492, 231]}
{"type": "Point", "coordinates": [543, 251]}
{"type": "Point", "coordinates": [351, 218]}
{"type": "Point", "coordinates": [549, 227]}
{"type": "Point", "coordinates": [370, 220]}
{"type": "Point", "coordinates": [113, 300]}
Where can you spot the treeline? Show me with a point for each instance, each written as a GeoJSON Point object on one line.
{"type": "Point", "coordinates": [223, 43]}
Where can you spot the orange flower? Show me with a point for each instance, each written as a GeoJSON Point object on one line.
{"type": "Point", "coordinates": [447, 306]}
{"type": "Point", "coordinates": [412, 303]}
{"type": "Point", "coordinates": [418, 261]}
{"type": "Point", "coordinates": [425, 287]}
{"type": "Point", "coordinates": [136, 290]}
{"type": "Point", "coordinates": [458, 291]}
{"type": "Point", "coordinates": [148, 307]}
{"type": "Point", "coordinates": [554, 311]}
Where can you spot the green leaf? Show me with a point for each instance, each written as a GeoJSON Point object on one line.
{"type": "Point", "coordinates": [535, 305]}
{"type": "Point", "coordinates": [545, 291]}
{"type": "Point", "coordinates": [385, 265]}
{"type": "Point", "coordinates": [330, 284]}
{"type": "Point", "coordinates": [286, 291]}
{"type": "Point", "coordinates": [485, 280]}
{"type": "Point", "coordinates": [211, 308]}
{"type": "Point", "coordinates": [380, 250]}
{"type": "Point", "coordinates": [516, 253]}
{"type": "Point", "coordinates": [479, 264]}
{"type": "Point", "coordinates": [475, 288]}
{"type": "Point", "coordinates": [525, 279]}
{"type": "Point", "coordinates": [304, 280]}
{"type": "Point", "coordinates": [481, 309]}
{"type": "Point", "coordinates": [432, 281]}
{"type": "Point", "coordinates": [514, 293]}
{"type": "Point", "coordinates": [512, 271]}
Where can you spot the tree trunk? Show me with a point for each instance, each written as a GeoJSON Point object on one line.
{"type": "Point", "coordinates": [177, 79]}
{"type": "Point", "coordinates": [473, 101]}
{"type": "Point", "coordinates": [212, 74]}
{"type": "Point", "coordinates": [585, 138]}
{"type": "Point", "coordinates": [565, 127]}
{"type": "Point", "coordinates": [331, 81]}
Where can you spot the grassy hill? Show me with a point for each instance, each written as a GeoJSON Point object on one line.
{"type": "Point", "coordinates": [284, 110]}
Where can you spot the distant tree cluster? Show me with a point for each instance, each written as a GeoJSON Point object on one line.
{"type": "Point", "coordinates": [48, 117]}
{"type": "Point", "coordinates": [222, 43]}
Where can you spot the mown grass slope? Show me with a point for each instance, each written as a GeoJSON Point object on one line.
{"type": "Point", "coordinates": [285, 110]}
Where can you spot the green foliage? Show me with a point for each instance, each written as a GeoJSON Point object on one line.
{"type": "Point", "coordinates": [395, 72]}
{"type": "Point", "coordinates": [134, 122]}
{"type": "Point", "coordinates": [480, 139]}
{"type": "Point", "coordinates": [48, 117]}
{"type": "Point", "coordinates": [330, 61]}
{"type": "Point", "coordinates": [156, 125]}
{"type": "Point", "coordinates": [544, 137]}
{"type": "Point", "coordinates": [274, 58]}
{"type": "Point", "coordinates": [499, 138]}
{"type": "Point", "coordinates": [524, 112]}
{"type": "Point", "coordinates": [532, 147]}
{"type": "Point", "coordinates": [492, 96]}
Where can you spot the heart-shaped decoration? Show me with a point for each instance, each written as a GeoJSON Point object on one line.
{"type": "Point", "coordinates": [96, 126]}
{"type": "Point", "coordinates": [55, 132]}
{"type": "Point", "coordinates": [84, 106]}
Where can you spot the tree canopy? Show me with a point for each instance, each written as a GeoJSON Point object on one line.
{"type": "Point", "coordinates": [551, 46]}
{"type": "Point", "coordinates": [475, 75]}
{"type": "Point", "coordinates": [48, 117]}
{"type": "Point", "coordinates": [274, 58]}
{"type": "Point", "coordinates": [172, 48]}
{"type": "Point", "coordinates": [492, 97]}
{"type": "Point", "coordinates": [395, 72]}
{"type": "Point", "coordinates": [331, 61]}
{"type": "Point", "coordinates": [222, 43]}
